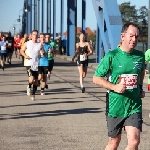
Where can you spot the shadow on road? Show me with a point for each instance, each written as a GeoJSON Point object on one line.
{"type": "Point", "coordinates": [49, 113]}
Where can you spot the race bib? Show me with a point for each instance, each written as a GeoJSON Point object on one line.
{"type": "Point", "coordinates": [83, 58]}
{"type": "Point", "coordinates": [34, 67]}
{"type": "Point", "coordinates": [3, 47]}
{"type": "Point", "coordinates": [130, 80]}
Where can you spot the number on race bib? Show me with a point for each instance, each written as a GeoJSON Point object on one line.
{"type": "Point", "coordinates": [3, 47]}
{"type": "Point", "coordinates": [34, 67]}
{"type": "Point", "coordinates": [83, 58]}
{"type": "Point", "coordinates": [130, 80]}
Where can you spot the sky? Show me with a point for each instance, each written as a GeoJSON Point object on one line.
{"type": "Point", "coordinates": [10, 9]}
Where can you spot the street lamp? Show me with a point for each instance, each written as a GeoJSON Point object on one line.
{"type": "Point", "coordinates": [19, 16]}
{"type": "Point", "coordinates": [26, 10]}
{"type": "Point", "coordinates": [30, 8]}
{"type": "Point", "coordinates": [14, 28]}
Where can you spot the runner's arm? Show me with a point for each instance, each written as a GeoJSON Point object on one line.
{"type": "Point", "coordinates": [142, 74]}
{"type": "Point", "coordinates": [142, 77]}
{"type": "Point", "coordinates": [142, 93]}
{"type": "Point", "coordinates": [77, 51]}
{"type": "Point", "coordinates": [89, 49]}
{"type": "Point", "coordinates": [100, 81]}
{"type": "Point", "coordinates": [102, 70]}
{"type": "Point", "coordinates": [51, 51]}
{"type": "Point", "coordinates": [22, 51]}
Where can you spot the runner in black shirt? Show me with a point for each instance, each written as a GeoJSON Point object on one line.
{"type": "Point", "coordinates": [10, 41]}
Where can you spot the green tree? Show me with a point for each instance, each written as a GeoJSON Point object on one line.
{"type": "Point", "coordinates": [91, 37]}
{"type": "Point", "coordinates": [143, 23]}
{"type": "Point", "coordinates": [129, 13]}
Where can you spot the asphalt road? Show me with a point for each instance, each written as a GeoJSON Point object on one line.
{"type": "Point", "coordinates": [63, 119]}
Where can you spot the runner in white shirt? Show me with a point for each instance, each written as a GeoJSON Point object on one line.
{"type": "Point", "coordinates": [31, 51]}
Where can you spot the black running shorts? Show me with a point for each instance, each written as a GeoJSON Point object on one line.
{"type": "Point", "coordinates": [31, 72]}
{"type": "Point", "coordinates": [51, 64]}
{"type": "Point", "coordinates": [3, 56]}
{"type": "Point", "coordinates": [115, 125]}
{"type": "Point", "coordinates": [43, 69]}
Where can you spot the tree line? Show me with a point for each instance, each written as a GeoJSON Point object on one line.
{"type": "Point", "coordinates": [139, 16]}
{"type": "Point", "coordinates": [130, 13]}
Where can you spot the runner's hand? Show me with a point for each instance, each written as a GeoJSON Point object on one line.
{"type": "Point", "coordinates": [42, 51]}
{"type": "Point", "coordinates": [50, 50]}
{"type": "Point", "coordinates": [27, 57]}
{"type": "Point", "coordinates": [146, 72]}
{"type": "Point", "coordinates": [85, 54]}
{"type": "Point", "coordinates": [142, 95]}
{"type": "Point", "coordinates": [119, 88]}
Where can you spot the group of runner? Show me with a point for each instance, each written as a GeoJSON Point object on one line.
{"type": "Point", "coordinates": [38, 60]}
{"type": "Point", "coordinates": [6, 48]}
{"type": "Point", "coordinates": [37, 54]}
{"type": "Point", "coordinates": [20, 47]}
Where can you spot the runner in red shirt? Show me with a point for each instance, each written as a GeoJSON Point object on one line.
{"type": "Point", "coordinates": [18, 45]}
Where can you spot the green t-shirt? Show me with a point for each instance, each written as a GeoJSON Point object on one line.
{"type": "Point", "coordinates": [53, 44]}
{"type": "Point", "coordinates": [147, 59]}
{"type": "Point", "coordinates": [50, 57]}
{"type": "Point", "coordinates": [147, 55]}
{"type": "Point", "coordinates": [123, 67]}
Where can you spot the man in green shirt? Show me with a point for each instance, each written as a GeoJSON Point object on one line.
{"type": "Point", "coordinates": [147, 61]}
{"type": "Point", "coordinates": [51, 57]}
{"type": "Point", "coordinates": [125, 68]}
{"type": "Point", "coordinates": [147, 55]}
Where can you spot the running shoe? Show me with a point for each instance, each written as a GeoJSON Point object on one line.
{"type": "Point", "coordinates": [46, 86]}
{"type": "Point", "coordinates": [33, 98]}
{"type": "Point", "coordinates": [83, 89]}
{"type": "Point", "coordinates": [42, 92]}
{"type": "Point", "coordinates": [48, 76]}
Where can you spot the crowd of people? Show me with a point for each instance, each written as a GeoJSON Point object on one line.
{"type": "Point", "coordinates": [124, 68]}
{"type": "Point", "coordinates": [37, 53]}
{"type": "Point", "coordinates": [45, 60]}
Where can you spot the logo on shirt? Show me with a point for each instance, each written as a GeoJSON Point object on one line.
{"type": "Point", "coordinates": [137, 65]}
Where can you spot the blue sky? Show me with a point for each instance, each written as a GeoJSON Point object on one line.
{"type": "Point", "coordinates": [9, 12]}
